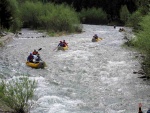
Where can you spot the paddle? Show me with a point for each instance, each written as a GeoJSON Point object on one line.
{"type": "Point", "coordinates": [39, 49]}
{"type": "Point", "coordinates": [55, 48]}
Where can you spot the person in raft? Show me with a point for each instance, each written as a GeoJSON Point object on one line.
{"type": "Point", "coordinates": [30, 58]}
{"type": "Point", "coordinates": [35, 52]}
{"type": "Point", "coordinates": [60, 44]}
{"type": "Point", "coordinates": [148, 110]}
{"type": "Point", "coordinates": [140, 110]}
{"type": "Point", "coordinates": [64, 43]}
{"type": "Point", "coordinates": [95, 36]}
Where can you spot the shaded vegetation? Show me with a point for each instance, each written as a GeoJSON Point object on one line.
{"type": "Point", "coordinates": [93, 16]}
{"type": "Point", "coordinates": [54, 15]}
{"type": "Point", "coordinates": [124, 14]}
{"type": "Point", "coordinates": [10, 15]}
{"type": "Point", "coordinates": [142, 38]}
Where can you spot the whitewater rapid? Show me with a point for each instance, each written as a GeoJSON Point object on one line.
{"type": "Point", "coordinates": [90, 77]}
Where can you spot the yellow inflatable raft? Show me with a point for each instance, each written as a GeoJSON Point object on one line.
{"type": "Point", "coordinates": [96, 40]}
{"type": "Point", "coordinates": [38, 65]}
{"type": "Point", "coordinates": [63, 48]}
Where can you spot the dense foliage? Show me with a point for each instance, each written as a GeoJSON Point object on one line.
{"type": "Point", "coordinates": [93, 16]}
{"type": "Point", "coordinates": [143, 40]}
{"type": "Point", "coordinates": [49, 16]}
{"type": "Point", "coordinates": [9, 15]}
{"type": "Point", "coordinates": [107, 11]}
{"type": "Point", "coordinates": [124, 14]}
{"type": "Point", "coordinates": [111, 7]}
{"type": "Point", "coordinates": [35, 14]}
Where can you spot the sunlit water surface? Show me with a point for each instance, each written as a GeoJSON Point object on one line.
{"type": "Point", "coordinates": [88, 78]}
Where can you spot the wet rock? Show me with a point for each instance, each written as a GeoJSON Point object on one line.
{"type": "Point", "coordinates": [143, 76]}
{"type": "Point", "coordinates": [126, 38]}
{"type": "Point", "coordinates": [134, 72]}
{"type": "Point", "coordinates": [43, 36]}
{"type": "Point", "coordinates": [20, 33]}
{"type": "Point", "coordinates": [139, 72]}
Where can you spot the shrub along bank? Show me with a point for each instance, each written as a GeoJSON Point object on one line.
{"type": "Point", "coordinates": [141, 41]}
{"type": "Point", "coordinates": [49, 17]}
{"type": "Point", "coordinates": [37, 15]}
{"type": "Point", "coordinates": [15, 95]}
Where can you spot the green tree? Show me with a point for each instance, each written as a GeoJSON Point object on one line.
{"type": "Point", "coordinates": [16, 23]}
{"type": "Point", "coordinates": [5, 14]}
{"type": "Point", "coordinates": [134, 20]}
{"type": "Point", "coordinates": [93, 16]}
{"type": "Point", "coordinates": [9, 15]}
{"type": "Point", "coordinates": [124, 14]}
{"type": "Point", "coordinates": [144, 6]}
{"type": "Point", "coordinates": [49, 16]}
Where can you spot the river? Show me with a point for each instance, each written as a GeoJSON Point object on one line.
{"type": "Point", "coordinates": [87, 78]}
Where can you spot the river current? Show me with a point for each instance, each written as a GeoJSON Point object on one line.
{"type": "Point", "coordinates": [89, 77]}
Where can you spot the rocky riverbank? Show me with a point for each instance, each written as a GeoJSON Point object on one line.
{"type": "Point", "coordinates": [5, 38]}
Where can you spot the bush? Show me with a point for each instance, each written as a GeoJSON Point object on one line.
{"type": "Point", "coordinates": [143, 35]}
{"type": "Point", "coordinates": [30, 14]}
{"type": "Point", "coordinates": [49, 16]}
{"type": "Point", "coordinates": [93, 16]}
{"type": "Point", "coordinates": [134, 20]}
{"type": "Point", "coordinates": [16, 94]}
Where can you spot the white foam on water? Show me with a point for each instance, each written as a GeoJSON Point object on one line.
{"type": "Point", "coordinates": [87, 78]}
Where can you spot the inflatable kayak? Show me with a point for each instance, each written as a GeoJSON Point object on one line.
{"type": "Point", "coordinates": [121, 30]}
{"type": "Point", "coordinates": [63, 48]}
{"type": "Point", "coordinates": [38, 65]}
{"type": "Point", "coordinates": [96, 40]}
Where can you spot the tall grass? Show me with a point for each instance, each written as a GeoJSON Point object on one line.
{"type": "Point", "coordinates": [49, 16]}
{"type": "Point", "coordinates": [16, 94]}
{"type": "Point", "coordinates": [93, 16]}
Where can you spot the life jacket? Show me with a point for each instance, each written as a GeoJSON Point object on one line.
{"type": "Point", "coordinates": [60, 44]}
{"type": "Point", "coordinates": [35, 53]}
{"type": "Point", "coordinates": [65, 44]}
{"type": "Point", "coordinates": [148, 111]}
{"type": "Point", "coordinates": [30, 58]}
